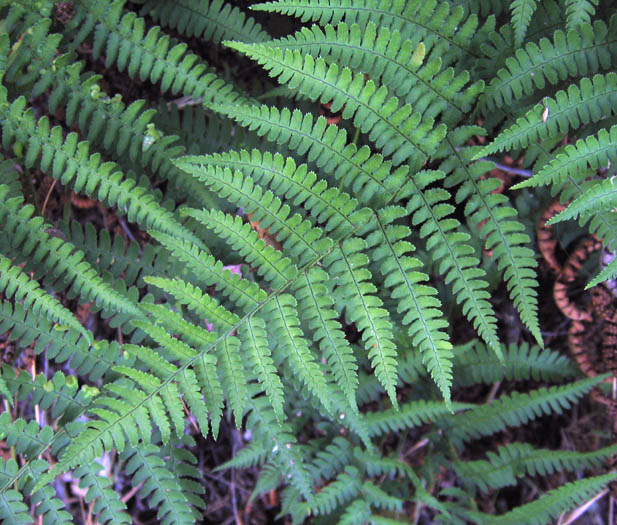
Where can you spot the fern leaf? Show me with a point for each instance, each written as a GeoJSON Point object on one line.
{"type": "Point", "coordinates": [70, 162]}
{"type": "Point", "coordinates": [159, 485]}
{"type": "Point", "coordinates": [15, 283]}
{"type": "Point", "coordinates": [346, 266]}
{"type": "Point", "coordinates": [517, 459]}
{"type": "Point", "coordinates": [579, 12]}
{"type": "Point", "coordinates": [47, 505]}
{"type": "Point", "coordinates": [591, 153]}
{"type": "Point", "coordinates": [329, 206]}
{"type": "Point", "coordinates": [589, 101]}
{"type": "Point", "coordinates": [505, 234]}
{"type": "Point", "coordinates": [412, 414]}
{"type": "Point", "coordinates": [457, 258]}
{"type": "Point", "coordinates": [522, 11]}
{"type": "Point", "coordinates": [397, 62]}
{"type": "Point", "coordinates": [579, 52]}
{"type": "Point", "coordinates": [152, 56]}
{"type": "Point", "coordinates": [600, 196]}
{"type": "Point", "coordinates": [214, 20]}
{"type": "Point", "coordinates": [255, 341]}
{"type": "Point", "coordinates": [243, 293]}
{"type": "Point", "coordinates": [325, 145]}
{"type": "Point", "coordinates": [517, 409]}
{"type": "Point", "coordinates": [550, 505]}
{"type": "Point", "coordinates": [106, 502]}
{"type": "Point", "coordinates": [299, 239]}
{"type": "Point", "coordinates": [12, 507]}
{"type": "Point", "coordinates": [285, 327]}
{"type": "Point", "coordinates": [317, 311]}
{"type": "Point", "coordinates": [395, 129]}
{"type": "Point", "coordinates": [417, 300]}
{"type": "Point", "coordinates": [433, 22]}
{"type": "Point", "coordinates": [27, 235]}
{"type": "Point", "coordinates": [232, 376]}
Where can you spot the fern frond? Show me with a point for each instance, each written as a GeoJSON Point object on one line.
{"type": "Point", "coordinates": [590, 101]}
{"type": "Point", "coordinates": [522, 11]}
{"type": "Point", "coordinates": [395, 129]}
{"type": "Point", "coordinates": [417, 300]}
{"type": "Point", "coordinates": [26, 235]}
{"type": "Point", "coordinates": [330, 206]}
{"type": "Point", "coordinates": [398, 63]}
{"type": "Point", "coordinates": [106, 503]}
{"type": "Point", "coordinates": [516, 409]}
{"type": "Point", "coordinates": [591, 153]}
{"type": "Point", "coordinates": [159, 485]}
{"type": "Point", "coordinates": [433, 22]}
{"type": "Point", "coordinates": [151, 56]}
{"type": "Point", "coordinates": [70, 162]}
{"type": "Point", "coordinates": [505, 235]}
{"type": "Point", "coordinates": [579, 12]}
{"type": "Point", "coordinates": [243, 293]}
{"type": "Point", "coordinates": [58, 341]}
{"type": "Point", "coordinates": [457, 260]}
{"type": "Point", "coordinates": [296, 235]}
{"type": "Point", "coordinates": [550, 505]}
{"type": "Point", "coordinates": [317, 311]}
{"type": "Point", "coordinates": [599, 196]}
{"type": "Point", "coordinates": [477, 364]}
{"type": "Point", "coordinates": [581, 51]}
{"type": "Point", "coordinates": [185, 468]}
{"type": "Point", "coordinates": [47, 505]}
{"type": "Point", "coordinates": [233, 376]}
{"type": "Point", "coordinates": [518, 459]}
{"type": "Point", "coordinates": [284, 325]}
{"type": "Point", "coordinates": [255, 340]}
{"type": "Point", "coordinates": [216, 20]}
{"type": "Point", "coordinates": [346, 266]}
{"type": "Point", "coordinates": [15, 283]}
{"type": "Point", "coordinates": [412, 414]}
{"type": "Point", "coordinates": [325, 145]}
{"type": "Point", "coordinates": [12, 507]}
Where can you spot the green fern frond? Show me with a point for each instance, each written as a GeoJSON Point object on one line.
{"type": "Point", "coordinates": [518, 459]}
{"type": "Point", "coordinates": [550, 505]}
{"type": "Point", "coordinates": [15, 283]}
{"type": "Point", "coordinates": [325, 145]}
{"type": "Point", "coordinates": [579, 12]}
{"type": "Point", "coordinates": [329, 206]}
{"type": "Point", "coordinates": [505, 235]}
{"type": "Point", "coordinates": [395, 128]}
{"type": "Point", "coordinates": [317, 311]}
{"type": "Point", "coordinates": [522, 11]}
{"type": "Point", "coordinates": [516, 409]}
{"type": "Point", "coordinates": [47, 505]}
{"type": "Point", "coordinates": [12, 507]}
{"type": "Point", "coordinates": [590, 101]}
{"type": "Point", "coordinates": [412, 414]}
{"type": "Point", "coordinates": [433, 22]}
{"type": "Point", "coordinates": [243, 293]}
{"type": "Point", "coordinates": [457, 260]}
{"type": "Point", "coordinates": [59, 342]}
{"type": "Point", "coordinates": [185, 467]}
{"type": "Point", "coordinates": [475, 364]}
{"type": "Point", "coordinates": [151, 56]}
{"type": "Point", "coordinates": [233, 377]}
{"type": "Point", "coordinates": [70, 162]}
{"type": "Point", "coordinates": [215, 20]}
{"type": "Point", "coordinates": [284, 326]}
{"type": "Point", "coordinates": [599, 196]}
{"type": "Point", "coordinates": [26, 236]}
{"type": "Point", "coordinates": [591, 153]}
{"type": "Point", "coordinates": [297, 236]}
{"type": "Point", "coordinates": [106, 503]}
{"type": "Point", "coordinates": [581, 51]}
{"type": "Point", "coordinates": [165, 494]}
{"type": "Point", "coordinates": [346, 266]}
{"type": "Point", "coordinates": [398, 63]}
{"type": "Point", "coordinates": [417, 300]}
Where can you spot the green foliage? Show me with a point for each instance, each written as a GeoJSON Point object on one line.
{"type": "Point", "coordinates": [306, 278]}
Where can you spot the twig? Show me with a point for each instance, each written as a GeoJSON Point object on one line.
{"type": "Point", "coordinates": [51, 188]}
{"type": "Point", "coordinates": [577, 513]}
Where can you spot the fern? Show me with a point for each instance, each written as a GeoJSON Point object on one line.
{"type": "Point", "coordinates": [318, 282]}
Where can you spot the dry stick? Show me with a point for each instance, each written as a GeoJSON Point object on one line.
{"type": "Point", "coordinates": [577, 513]}
{"type": "Point", "coordinates": [51, 188]}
